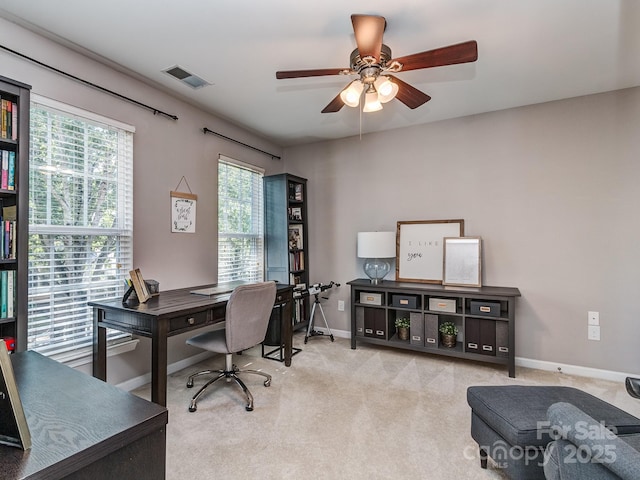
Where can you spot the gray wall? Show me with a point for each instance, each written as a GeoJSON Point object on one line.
{"type": "Point", "coordinates": [164, 151]}
{"type": "Point", "coordinates": [552, 189]}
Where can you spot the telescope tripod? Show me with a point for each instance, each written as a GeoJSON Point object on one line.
{"type": "Point", "coordinates": [310, 331]}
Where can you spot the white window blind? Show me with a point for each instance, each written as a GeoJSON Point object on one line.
{"type": "Point", "coordinates": [240, 225]}
{"type": "Point", "coordinates": [80, 222]}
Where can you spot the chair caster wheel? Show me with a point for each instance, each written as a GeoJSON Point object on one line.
{"type": "Point", "coordinates": [332, 338]}
{"type": "Point", "coordinates": [267, 383]}
{"type": "Point", "coordinates": [249, 409]}
{"type": "Point", "coordinates": [190, 384]}
{"type": "Point", "coordinates": [193, 408]}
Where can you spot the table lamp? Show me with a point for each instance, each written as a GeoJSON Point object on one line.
{"type": "Point", "coordinates": [376, 248]}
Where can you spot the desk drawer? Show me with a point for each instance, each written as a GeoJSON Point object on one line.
{"type": "Point", "coordinates": [188, 321]}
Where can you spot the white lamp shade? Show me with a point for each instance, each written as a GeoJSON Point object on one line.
{"type": "Point", "coordinates": [376, 244]}
{"type": "Point", "coordinates": [351, 95]}
{"type": "Point", "coordinates": [371, 102]}
{"type": "Point", "coordinates": [387, 89]}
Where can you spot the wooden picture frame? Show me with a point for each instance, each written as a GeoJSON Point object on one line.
{"type": "Point", "coordinates": [14, 430]}
{"type": "Point", "coordinates": [183, 212]}
{"type": "Point", "coordinates": [419, 249]}
{"type": "Point", "coordinates": [142, 292]}
{"type": "Point", "coordinates": [462, 264]}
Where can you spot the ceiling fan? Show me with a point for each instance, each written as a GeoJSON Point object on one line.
{"type": "Point", "coordinates": [373, 63]}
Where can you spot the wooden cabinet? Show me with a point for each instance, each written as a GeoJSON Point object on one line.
{"type": "Point", "coordinates": [287, 237]}
{"type": "Point", "coordinates": [484, 317]}
{"type": "Point", "coordinates": [14, 209]}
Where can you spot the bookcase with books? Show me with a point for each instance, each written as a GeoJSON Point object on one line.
{"type": "Point", "coordinates": [14, 212]}
{"type": "Point", "coordinates": [287, 239]}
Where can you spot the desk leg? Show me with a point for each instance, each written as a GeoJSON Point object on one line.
{"type": "Point", "coordinates": [99, 346]}
{"type": "Point", "coordinates": [159, 362]}
{"type": "Point", "coordinates": [286, 327]}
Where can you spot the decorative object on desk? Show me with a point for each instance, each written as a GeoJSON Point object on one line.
{"type": "Point", "coordinates": [420, 249]}
{"type": "Point", "coordinates": [448, 334]}
{"type": "Point", "coordinates": [153, 286]}
{"type": "Point", "coordinates": [462, 264]}
{"type": "Point", "coordinates": [14, 430]}
{"type": "Point", "coordinates": [183, 210]}
{"type": "Point", "coordinates": [403, 324]}
{"type": "Point", "coordinates": [376, 248]}
{"type": "Point", "coordinates": [139, 285]}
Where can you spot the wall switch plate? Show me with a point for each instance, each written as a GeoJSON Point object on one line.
{"type": "Point", "coordinates": [594, 332]}
{"type": "Point", "coordinates": [341, 305]}
{"type": "Point", "coordinates": [594, 318]}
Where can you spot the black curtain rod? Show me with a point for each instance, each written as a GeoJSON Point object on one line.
{"type": "Point", "coordinates": [111, 92]}
{"type": "Point", "coordinates": [205, 130]}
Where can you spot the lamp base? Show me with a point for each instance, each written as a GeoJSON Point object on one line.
{"type": "Point", "coordinates": [376, 269]}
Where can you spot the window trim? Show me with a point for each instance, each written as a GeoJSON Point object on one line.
{"type": "Point", "coordinates": [79, 112]}
{"type": "Point", "coordinates": [255, 170]}
{"type": "Point", "coordinates": [123, 342]}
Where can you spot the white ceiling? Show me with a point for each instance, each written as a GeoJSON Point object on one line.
{"type": "Point", "coordinates": [529, 51]}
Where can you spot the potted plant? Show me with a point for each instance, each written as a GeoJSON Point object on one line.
{"type": "Point", "coordinates": [448, 332]}
{"type": "Point", "coordinates": [402, 324]}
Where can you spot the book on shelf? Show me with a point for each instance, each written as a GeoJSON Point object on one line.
{"type": "Point", "coordinates": [296, 261]}
{"type": "Point", "coordinates": [5, 170]}
{"type": "Point", "coordinates": [8, 166]}
{"type": "Point", "coordinates": [8, 119]}
{"type": "Point", "coordinates": [14, 121]}
{"type": "Point", "coordinates": [11, 293]}
{"type": "Point", "coordinates": [4, 279]}
{"type": "Point", "coordinates": [7, 232]}
{"type": "Point", "coordinates": [11, 172]}
{"type": "Point", "coordinates": [296, 237]}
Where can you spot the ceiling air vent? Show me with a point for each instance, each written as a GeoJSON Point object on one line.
{"type": "Point", "coordinates": [190, 79]}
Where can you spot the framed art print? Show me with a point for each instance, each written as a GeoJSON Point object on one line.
{"type": "Point", "coordinates": [14, 430]}
{"type": "Point", "coordinates": [462, 262]}
{"type": "Point", "coordinates": [419, 251]}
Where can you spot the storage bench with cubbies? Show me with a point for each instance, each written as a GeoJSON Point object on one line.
{"type": "Point", "coordinates": [484, 317]}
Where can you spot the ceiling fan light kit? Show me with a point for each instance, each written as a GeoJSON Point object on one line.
{"type": "Point", "coordinates": [372, 62]}
{"type": "Point", "coordinates": [351, 95]}
{"type": "Point", "coordinates": [371, 100]}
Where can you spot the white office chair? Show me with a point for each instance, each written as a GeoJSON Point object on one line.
{"type": "Point", "coordinates": [246, 321]}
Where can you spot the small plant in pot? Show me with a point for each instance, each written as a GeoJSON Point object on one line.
{"type": "Point", "coordinates": [402, 324]}
{"type": "Point", "coordinates": [448, 332]}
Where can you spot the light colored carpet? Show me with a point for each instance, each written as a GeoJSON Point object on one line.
{"type": "Point", "coordinates": [338, 413]}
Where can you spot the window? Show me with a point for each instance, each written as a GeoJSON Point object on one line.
{"type": "Point", "coordinates": [240, 229]}
{"type": "Point", "coordinates": [80, 222]}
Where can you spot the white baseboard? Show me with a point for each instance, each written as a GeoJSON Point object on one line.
{"type": "Point", "coordinates": [589, 372]}
{"type": "Point", "coordinates": [541, 364]}
{"type": "Point", "coordinates": [141, 380]}
{"type": "Point", "coordinates": [573, 369]}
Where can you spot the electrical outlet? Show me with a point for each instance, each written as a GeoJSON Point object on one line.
{"type": "Point", "coordinates": [341, 305]}
{"type": "Point", "coordinates": [593, 332]}
{"type": "Point", "coordinates": [594, 318]}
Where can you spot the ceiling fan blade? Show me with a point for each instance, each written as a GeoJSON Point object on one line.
{"type": "Point", "coordinates": [368, 30]}
{"type": "Point", "coordinates": [334, 105]}
{"type": "Point", "coordinates": [309, 73]}
{"type": "Point", "coordinates": [410, 96]}
{"type": "Point", "coordinates": [459, 53]}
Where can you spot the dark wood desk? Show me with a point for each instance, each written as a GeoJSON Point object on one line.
{"type": "Point", "coordinates": [171, 313]}
{"type": "Point", "coordinates": [82, 428]}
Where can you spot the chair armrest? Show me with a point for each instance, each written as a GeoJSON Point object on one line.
{"type": "Point", "coordinates": [592, 442]}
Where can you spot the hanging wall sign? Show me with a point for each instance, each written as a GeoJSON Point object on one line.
{"type": "Point", "coordinates": [183, 210]}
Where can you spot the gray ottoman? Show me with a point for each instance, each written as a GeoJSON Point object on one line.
{"type": "Point", "coordinates": [510, 425]}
